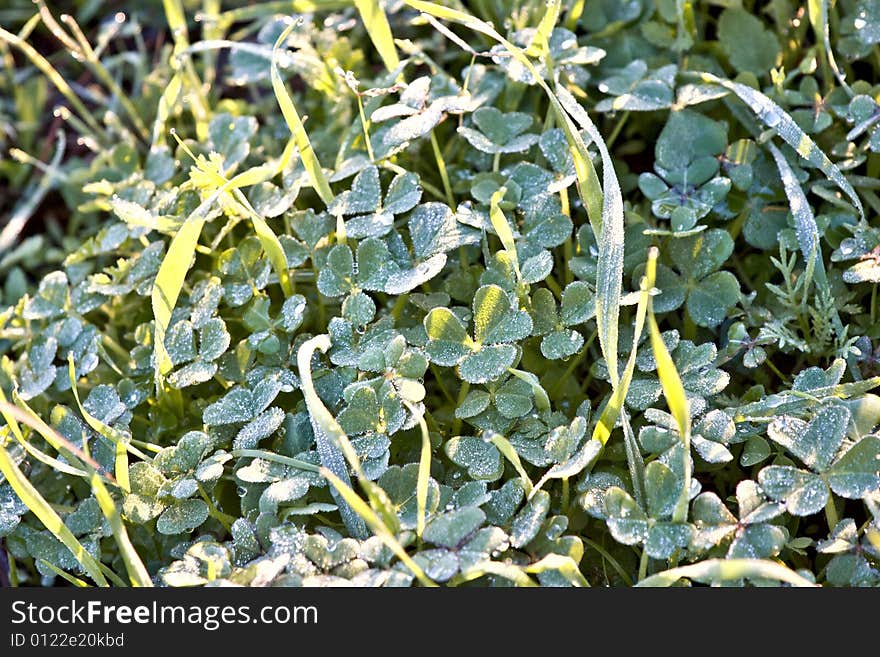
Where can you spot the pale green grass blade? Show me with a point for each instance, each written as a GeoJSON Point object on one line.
{"type": "Point", "coordinates": [376, 22]}
{"type": "Point", "coordinates": [59, 443]}
{"type": "Point", "coordinates": [56, 78]}
{"type": "Point", "coordinates": [376, 525]}
{"type": "Point", "coordinates": [773, 116]}
{"type": "Point", "coordinates": [38, 505]}
{"type": "Point", "coordinates": [677, 402]}
{"type": "Point", "coordinates": [503, 445]}
{"type": "Point", "coordinates": [609, 274]}
{"type": "Point", "coordinates": [137, 572]}
{"type": "Point", "coordinates": [542, 400]}
{"type": "Point", "coordinates": [265, 9]}
{"type": "Point", "coordinates": [564, 565]}
{"type": "Point", "coordinates": [334, 448]}
{"type": "Point", "coordinates": [75, 581]}
{"type": "Point", "coordinates": [508, 571]}
{"type": "Point", "coordinates": [277, 458]}
{"type": "Point", "coordinates": [807, 232]}
{"type": "Point", "coordinates": [502, 228]}
{"type": "Point", "coordinates": [818, 13]}
{"type": "Point", "coordinates": [542, 33]}
{"type": "Point", "coordinates": [169, 282]}
{"type": "Point", "coordinates": [12, 426]}
{"type": "Point", "coordinates": [424, 470]}
{"type": "Point", "coordinates": [295, 124]}
{"type": "Point", "coordinates": [726, 570]}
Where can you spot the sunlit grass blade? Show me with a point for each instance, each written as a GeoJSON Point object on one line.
{"type": "Point", "coordinates": [676, 400]}
{"type": "Point", "coordinates": [265, 9]}
{"type": "Point", "coordinates": [502, 228]}
{"type": "Point", "coordinates": [773, 116]}
{"type": "Point", "coordinates": [375, 523]}
{"type": "Point", "coordinates": [63, 574]}
{"type": "Point", "coordinates": [376, 22]}
{"type": "Point", "coordinates": [562, 564]}
{"type": "Point", "coordinates": [121, 441]}
{"type": "Point", "coordinates": [59, 443]}
{"type": "Point", "coordinates": [334, 448]}
{"type": "Point", "coordinates": [508, 571]}
{"type": "Point", "coordinates": [277, 458]}
{"type": "Point", "coordinates": [38, 505]}
{"type": "Point", "coordinates": [544, 29]}
{"type": "Point", "coordinates": [608, 418]}
{"type": "Point", "coordinates": [296, 127]}
{"type": "Point", "coordinates": [507, 450]}
{"type": "Point", "coordinates": [424, 470]}
{"type": "Point", "coordinates": [713, 571]}
{"type": "Point", "coordinates": [542, 399]}
{"type": "Point", "coordinates": [137, 572]}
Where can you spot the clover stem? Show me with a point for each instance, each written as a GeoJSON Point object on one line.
{"type": "Point", "coordinates": [440, 384]}
{"type": "Point", "coordinates": [462, 393]}
{"type": "Point", "coordinates": [616, 130]}
{"type": "Point", "coordinates": [496, 162]}
{"type": "Point", "coordinates": [223, 518]}
{"type": "Point", "coordinates": [566, 496]}
{"type": "Point", "coordinates": [643, 565]}
{"type": "Point", "coordinates": [554, 287]}
{"type": "Point", "coordinates": [873, 305]}
{"type": "Point", "coordinates": [365, 125]}
{"type": "Point", "coordinates": [573, 364]}
{"type": "Point", "coordinates": [831, 513]}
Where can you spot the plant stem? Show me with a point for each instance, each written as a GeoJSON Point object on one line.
{"type": "Point", "coordinates": [462, 393]}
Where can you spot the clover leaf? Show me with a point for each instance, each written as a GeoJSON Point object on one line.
{"type": "Point", "coordinates": [373, 215]}
{"type": "Point", "coordinates": [486, 356]}
{"type": "Point", "coordinates": [499, 132]}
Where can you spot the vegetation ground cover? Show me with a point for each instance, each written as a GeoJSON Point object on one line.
{"type": "Point", "coordinates": [405, 293]}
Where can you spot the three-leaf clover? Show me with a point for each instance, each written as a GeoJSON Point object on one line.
{"type": "Point", "coordinates": [371, 215]}
{"type": "Point", "coordinates": [498, 132]}
{"type": "Point", "coordinates": [498, 325]}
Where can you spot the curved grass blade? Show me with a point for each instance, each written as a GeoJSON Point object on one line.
{"type": "Point", "coordinates": [609, 274]}
{"type": "Point", "coordinates": [63, 574]}
{"type": "Point", "coordinates": [502, 228]}
{"type": "Point", "coordinates": [59, 443]}
{"type": "Point", "coordinates": [368, 516]}
{"type": "Point", "coordinates": [818, 13]}
{"type": "Point", "coordinates": [121, 440]}
{"type": "Point", "coordinates": [38, 505]}
{"type": "Point", "coordinates": [277, 458]}
{"type": "Point", "coordinates": [538, 46]}
{"type": "Point", "coordinates": [773, 116]}
{"type": "Point", "coordinates": [806, 230]}
{"type": "Point", "coordinates": [726, 570]}
{"type": "Point", "coordinates": [295, 124]}
{"type": "Point", "coordinates": [564, 565]}
{"type": "Point", "coordinates": [503, 445]}
{"type": "Point", "coordinates": [542, 400]}
{"type": "Point", "coordinates": [376, 22]}
{"type": "Point", "coordinates": [334, 448]}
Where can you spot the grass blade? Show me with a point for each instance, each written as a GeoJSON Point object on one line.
{"type": "Point", "coordinates": [773, 116]}
{"type": "Point", "coordinates": [677, 402]}
{"type": "Point", "coordinates": [566, 567]}
{"type": "Point", "coordinates": [725, 570]}
{"type": "Point", "coordinates": [424, 470]}
{"type": "Point", "coordinates": [334, 448]}
{"type": "Point", "coordinates": [807, 232]}
{"type": "Point", "coordinates": [368, 516]}
{"type": "Point", "coordinates": [609, 274]}
{"type": "Point", "coordinates": [376, 22]}
{"type": "Point", "coordinates": [612, 410]}
{"type": "Point", "coordinates": [295, 124]}
{"type": "Point", "coordinates": [502, 228]}
{"type": "Point", "coordinates": [503, 445]}
{"type": "Point", "coordinates": [38, 505]}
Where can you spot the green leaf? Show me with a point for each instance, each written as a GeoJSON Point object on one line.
{"type": "Point", "coordinates": [857, 472]}
{"type": "Point", "coordinates": [747, 43]}
{"type": "Point", "coordinates": [816, 443]}
{"type": "Point", "coordinates": [802, 492]}
{"type": "Point", "coordinates": [709, 301]}
{"type": "Point", "coordinates": [182, 516]}
{"type": "Point", "coordinates": [454, 527]}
